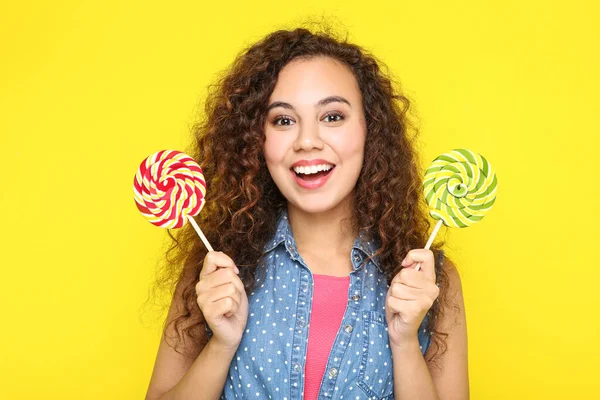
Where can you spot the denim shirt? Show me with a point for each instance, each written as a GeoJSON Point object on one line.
{"type": "Point", "coordinates": [270, 359]}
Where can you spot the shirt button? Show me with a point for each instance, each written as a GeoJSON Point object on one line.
{"type": "Point", "coordinates": [333, 372]}
{"type": "Point", "coordinates": [357, 258]}
{"type": "Point", "coordinates": [297, 367]}
{"type": "Point", "coordinates": [301, 323]}
{"type": "Point", "coordinates": [356, 297]}
{"type": "Point", "coordinates": [348, 328]}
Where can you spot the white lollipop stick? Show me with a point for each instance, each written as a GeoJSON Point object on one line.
{"type": "Point", "coordinates": [200, 233]}
{"type": "Point", "coordinates": [431, 237]}
{"type": "Point", "coordinates": [204, 240]}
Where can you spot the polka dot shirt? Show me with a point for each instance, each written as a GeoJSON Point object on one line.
{"type": "Point", "coordinates": [269, 362]}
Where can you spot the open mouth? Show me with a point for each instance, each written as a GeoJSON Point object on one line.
{"type": "Point", "coordinates": [314, 172]}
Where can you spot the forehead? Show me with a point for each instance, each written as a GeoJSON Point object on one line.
{"type": "Point", "coordinates": [307, 81]}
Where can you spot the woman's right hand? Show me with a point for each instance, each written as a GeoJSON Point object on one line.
{"type": "Point", "coordinates": [222, 299]}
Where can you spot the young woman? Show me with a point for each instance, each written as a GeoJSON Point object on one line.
{"type": "Point", "coordinates": [314, 203]}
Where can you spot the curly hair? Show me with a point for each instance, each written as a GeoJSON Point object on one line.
{"type": "Point", "coordinates": [244, 201]}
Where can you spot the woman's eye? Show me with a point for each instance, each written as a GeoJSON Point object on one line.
{"type": "Point", "coordinates": [335, 116]}
{"type": "Point", "coordinates": [282, 118]}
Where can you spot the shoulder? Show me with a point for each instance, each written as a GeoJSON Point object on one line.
{"type": "Point", "coordinates": [450, 321]}
{"type": "Point", "coordinates": [450, 300]}
{"type": "Point", "coordinates": [446, 272]}
{"type": "Point", "coordinates": [450, 369]}
{"type": "Point", "coordinates": [454, 284]}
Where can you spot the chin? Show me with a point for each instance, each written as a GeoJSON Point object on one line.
{"type": "Point", "coordinates": [322, 205]}
{"type": "Point", "coordinates": [314, 209]}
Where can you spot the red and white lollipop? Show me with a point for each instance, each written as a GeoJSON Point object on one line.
{"type": "Point", "coordinates": [169, 189]}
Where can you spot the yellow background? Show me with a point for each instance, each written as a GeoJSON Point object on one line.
{"type": "Point", "coordinates": [89, 89]}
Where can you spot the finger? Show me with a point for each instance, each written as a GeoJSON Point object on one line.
{"type": "Point", "coordinates": [221, 277]}
{"type": "Point", "coordinates": [218, 277]}
{"type": "Point", "coordinates": [411, 277]}
{"type": "Point", "coordinates": [403, 292]}
{"type": "Point", "coordinates": [395, 305]}
{"type": "Point", "coordinates": [223, 306]}
{"type": "Point", "coordinates": [219, 284]}
{"type": "Point", "coordinates": [424, 258]}
{"type": "Point", "coordinates": [233, 310]}
{"type": "Point", "coordinates": [215, 260]}
{"type": "Point", "coordinates": [208, 301]}
{"type": "Point", "coordinates": [416, 256]}
{"type": "Point", "coordinates": [226, 290]}
{"type": "Point", "coordinates": [408, 309]}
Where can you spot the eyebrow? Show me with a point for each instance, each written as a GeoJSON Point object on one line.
{"type": "Point", "coordinates": [320, 103]}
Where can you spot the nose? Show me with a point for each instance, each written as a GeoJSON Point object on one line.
{"type": "Point", "coordinates": [308, 139]}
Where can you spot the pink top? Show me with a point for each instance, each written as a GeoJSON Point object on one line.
{"type": "Point", "coordinates": [330, 297]}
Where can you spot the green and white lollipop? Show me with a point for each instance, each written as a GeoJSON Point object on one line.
{"type": "Point", "coordinates": [459, 188]}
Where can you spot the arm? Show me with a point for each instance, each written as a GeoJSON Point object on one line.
{"type": "Point", "coordinates": [223, 302]}
{"type": "Point", "coordinates": [178, 377]}
{"type": "Point", "coordinates": [447, 379]}
{"type": "Point", "coordinates": [451, 374]}
{"type": "Point", "coordinates": [204, 379]}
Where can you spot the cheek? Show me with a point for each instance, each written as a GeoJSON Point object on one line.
{"type": "Point", "coordinates": [350, 147]}
{"type": "Point", "coordinates": [273, 150]}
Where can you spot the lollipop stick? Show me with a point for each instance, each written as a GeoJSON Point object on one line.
{"type": "Point", "coordinates": [431, 237]}
{"type": "Point", "coordinates": [200, 233]}
{"type": "Point", "coordinates": [204, 240]}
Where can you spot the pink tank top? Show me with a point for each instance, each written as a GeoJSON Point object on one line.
{"type": "Point", "coordinates": [330, 297]}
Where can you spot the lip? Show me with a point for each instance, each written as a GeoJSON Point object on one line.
{"type": "Point", "coordinates": [312, 184]}
{"type": "Point", "coordinates": [310, 163]}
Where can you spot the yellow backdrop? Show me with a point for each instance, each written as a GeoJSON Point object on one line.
{"type": "Point", "coordinates": [88, 89]}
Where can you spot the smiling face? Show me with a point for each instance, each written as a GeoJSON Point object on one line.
{"type": "Point", "coordinates": [315, 134]}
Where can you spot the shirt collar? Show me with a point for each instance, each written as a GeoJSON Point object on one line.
{"type": "Point", "coordinates": [283, 234]}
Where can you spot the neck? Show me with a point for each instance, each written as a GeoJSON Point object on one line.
{"type": "Point", "coordinates": [331, 232]}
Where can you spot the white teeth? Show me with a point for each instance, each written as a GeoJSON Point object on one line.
{"type": "Point", "coordinates": [313, 169]}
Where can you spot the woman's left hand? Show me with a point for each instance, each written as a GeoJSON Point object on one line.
{"type": "Point", "coordinates": [410, 295]}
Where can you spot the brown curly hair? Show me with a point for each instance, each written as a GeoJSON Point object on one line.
{"type": "Point", "coordinates": [244, 202]}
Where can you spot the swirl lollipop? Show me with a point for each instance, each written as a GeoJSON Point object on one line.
{"type": "Point", "coordinates": [169, 188]}
{"type": "Point", "coordinates": [459, 187]}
